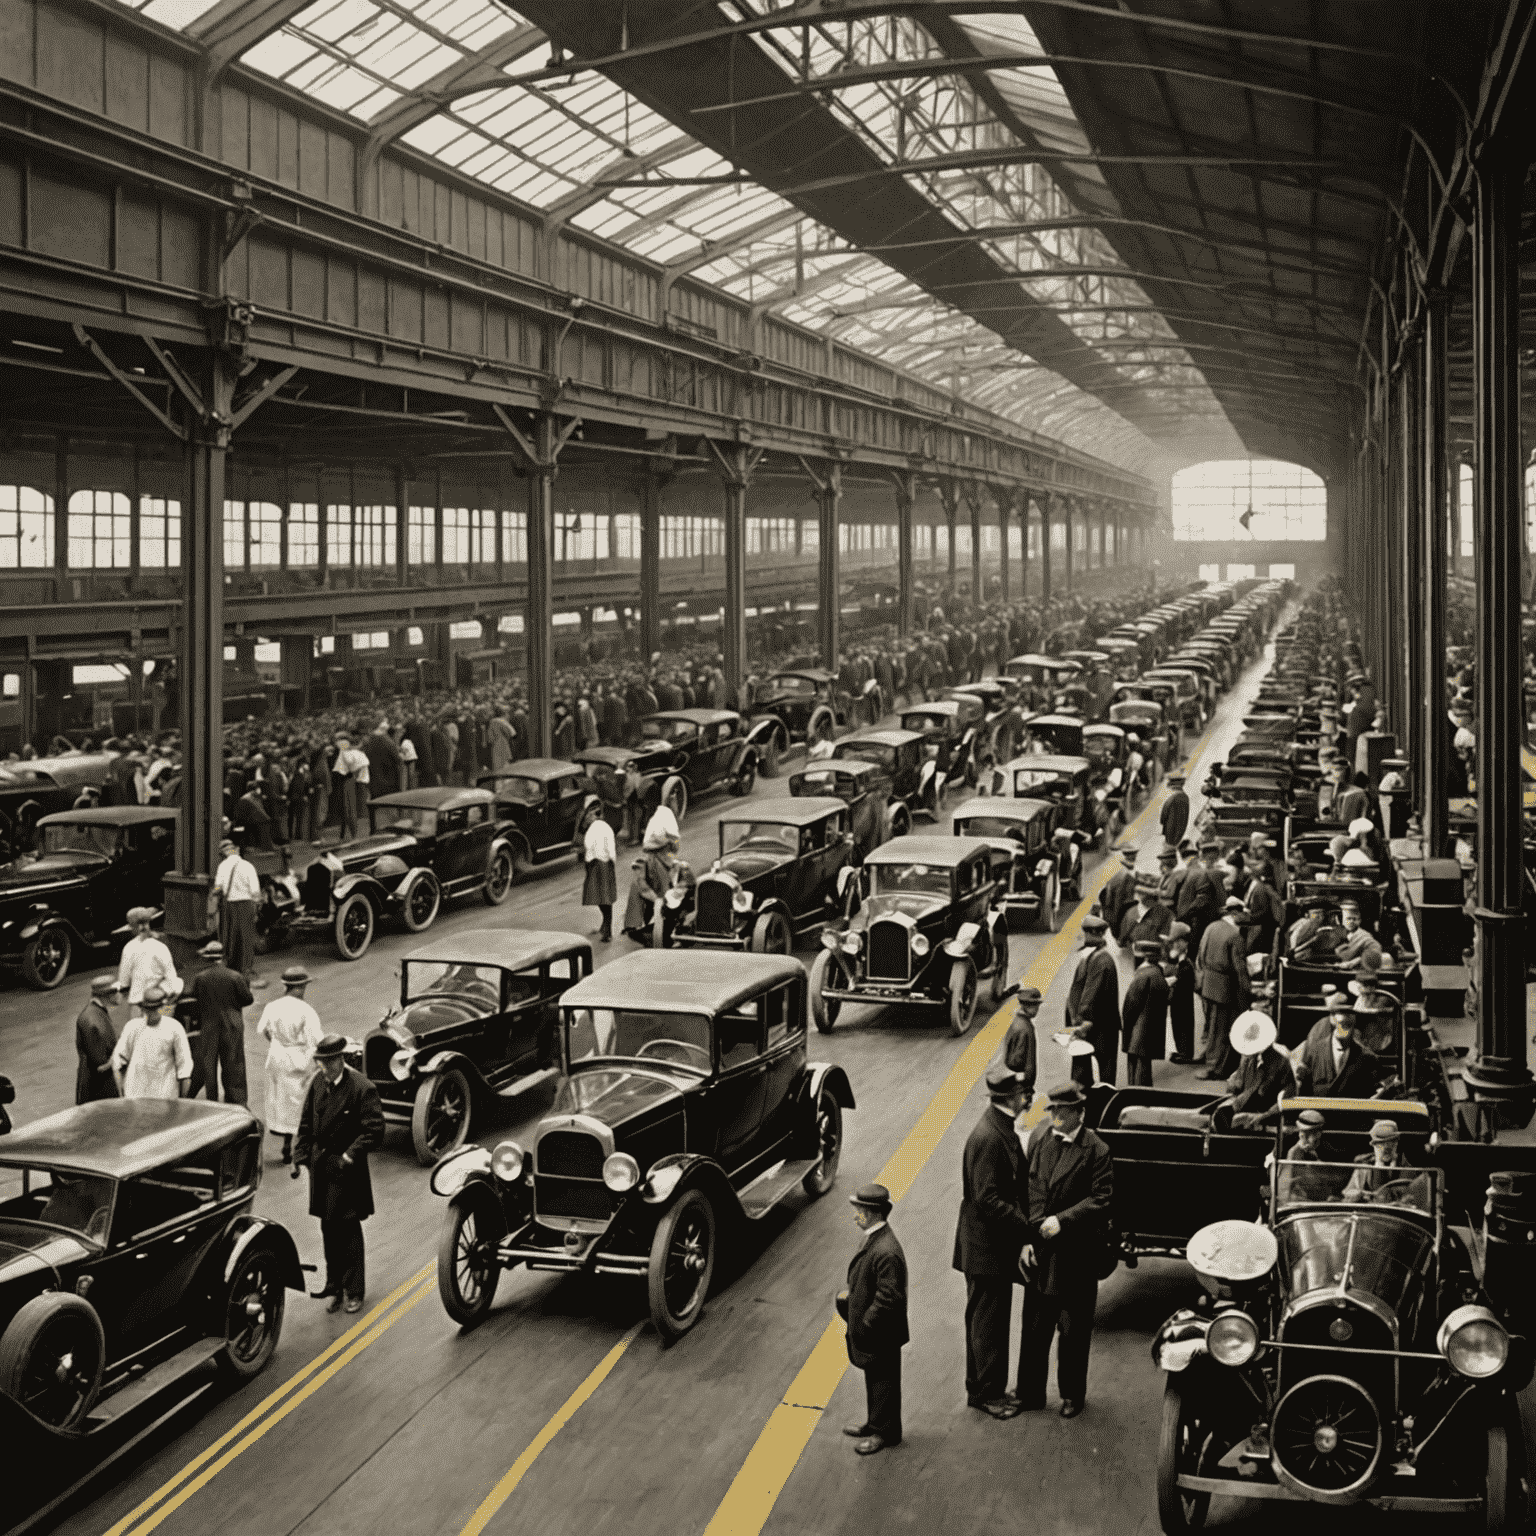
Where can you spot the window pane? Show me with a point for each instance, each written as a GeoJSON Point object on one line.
{"type": "Point", "coordinates": [1280, 502]}
{"type": "Point", "coordinates": [234, 536]}
{"type": "Point", "coordinates": [373, 536]}
{"type": "Point", "coordinates": [303, 534]}
{"type": "Point", "coordinates": [514, 538]}
{"type": "Point", "coordinates": [338, 535]}
{"type": "Point", "coordinates": [455, 536]}
{"type": "Point", "coordinates": [264, 524]}
{"type": "Point", "coordinates": [100, 531]}
{"type": "Point", "coordinates": [159, 533]}
{"type": "Point", "coordinates": [26, 528]}
{"type": "Point", "coordinates": [421, 536]}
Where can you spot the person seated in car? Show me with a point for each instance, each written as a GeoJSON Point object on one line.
{"type": "Point", "coordinates": [1312, 938]}
{"type": "Point", "coordinates": [1359, 948]}
{"type": "Point", "coordinates": [1336, 1064]}
{"type": "Point", "coordinates": [1302, 1178]}
{"type": "Point", "coordinates": [1069, 863]}
{"type": "Point", "coordinates": [1375, 1011]}
{"type": "Point", "coordinates": [1263, 1073]}
{"type": "Point", "coordinates": [1381, 1168]}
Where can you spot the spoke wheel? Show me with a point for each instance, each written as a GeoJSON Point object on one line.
{"type": "Point", "coordinates": [962, 996]}
{"type": "Point", "coordinates": [419, 910]}
{"type": "Point", "coordinates": [824, 1010]}
{"type": "Point", "coordinates": [498, 878]}
{"type": "Point", "coordinates": [682, 1264]}
{"type": "Point", "coordinates": [1181, 1448]}
{"type": "Point", "coordinates": [674, 796]}
{"type": "Point", "coordinates": [829, 1144]}
{"type": "Point", "coordinates": [467, 1267]}
{"type": "Point", "coordinates": [354, 926]}
{"type": "Point", "coordinates": [440, 1115]}
{"type": "Point", "coordinates": [253, 1315]}
{"type": "Point", "coordinates": [746, 778]}
{"type": "Point", "coordinates": [45, 960]}
{"type": "Point", "coordinates": [772, 750]}
{"type": "Point", "coordinates": [51, 1358]}
{"type": "Point", "coordinates": [771, 935]}
{"type": "Point", "coordinates": [820, 728]}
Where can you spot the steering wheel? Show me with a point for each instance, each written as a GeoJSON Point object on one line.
{"type": "Point", "coordinates": [1395, 1193]}
{"type": "Point", "coordinates": [682, 1046]}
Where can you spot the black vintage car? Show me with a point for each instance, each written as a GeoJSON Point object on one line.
{"type": "Point", "coordinates": [1039, 677]}
{"type": "Point", "coordinates": [1351, 1348]}
{"type": "Point", "coordinates": [475, 1022]}
{"type": "Point", "coordinates": [129, 1260]}
{"type": "Point", "coordinates": [1058, 735]}
{"type": "Point", "coordinates": [688, 1105]}
{"type": "Point", "coordinates": [44, 785]}
{"type": "Point", "coordinates": [951, 731]}
{"type": "Point", "coordinates": [903, 756]}
{"type": "Point", "coordinates": [539, 801]}
{"type": "Point", "coordinates": [806, 704]}
{"type": "Point", "coordinates": [425, 847]}
{"type": "Point", "coordinates": [1062, 780]}
{"type": "Point", "coordinates": [1027, 867]}
{"type": "Point", "coordinates": [72, 900]}
{"type": "Point", "coordinates": [784, 870]}
{"type": "Point", "coordinates": [867, 789]}
{"type": "Point", "coordinates": [1003, 719]}
{"type": "Point", "coordinates": [930, 925]}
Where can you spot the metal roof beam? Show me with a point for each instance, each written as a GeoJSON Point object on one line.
{"type": "Point", "coordinates": [563, 209]}
{"type": "Point", "coordinates": [232, 26]}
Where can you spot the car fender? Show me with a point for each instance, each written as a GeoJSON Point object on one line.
{"type": "Point", "coordinates": [681, 1171]}
{"type": "Point", "coordinates": [773, 904]}
{"type": "Point", "coordinates": [815, 1076]}
{"type": "Point", "coordinates": [845, 877]}
{"type": "Point", "coordinates": [445, 1061]}
{"type": "Point", "coordinates": [514, 843]}
{"type": "Point", "coordinates": [413, 878]}
{"type": "Point", "coordinates": [745, 754]}
{"type": "Point", "coordinates": [1180, 1341]}
{"type": "Point", "coordinates": [258, 1231]}
{"type": "Point", "coordinates": [361, 881]}
{"type": "Point", "coordinates": [963, 942]}
{"type": "Point", "coordinates": [762, 728]}
{"type": "Point", "coordinates": [49, 919]}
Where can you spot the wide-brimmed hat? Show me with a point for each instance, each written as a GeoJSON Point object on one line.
{"type": "Point", "coordinates": [871, 1197]}
{"type": "Point", "coordinates": [1065, 1095]}
{"type": "Point", "coordinates": [1359, 825]}
{"type": "Point", "coordinates": [141, 914]}
{"type": "Point", "coordinates": [1357, 858]}
{"type": "Point", "coordinates": [1252, 1032]}
{"type": "Point", "coordinates": [331, 1045]}
{"type": "Point", "coordinates": [296, 976]}
{"type": "Point", "coordinates": [155, 997]}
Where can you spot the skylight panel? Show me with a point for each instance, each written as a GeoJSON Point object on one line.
{"type": "Point", "coordinates": [171, 13]}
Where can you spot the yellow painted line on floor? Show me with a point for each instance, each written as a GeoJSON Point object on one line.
{"type": "Point", "coordinates": [503, 1490]}
{"type": "Point", "coordinates": [168, 1498]}
{"type": "Point", "coordinates": [749, 1501]}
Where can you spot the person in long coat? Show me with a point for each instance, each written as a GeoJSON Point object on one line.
{"type": "Point", "coordinates": [341, 1122]}
{"type": "Point", "coordinates": [1200, 897]}
{"type": "Point", "coordinates": [1221, 975]}
{"type": "Point", "coordinates": [293, 1027]}
{"type": "Point", "coordinates": [988, 1240]}
{"type": "Point", "coordinates": [1070, 1184]}
{"type": "Point", "coordinates": [1179, 968]}
{"type": "Point", "coordinates": [153, 1059]}
{"type": "Point", "coordinates": [1174, 817]}
{"type": "Point", "coordinates": [1119, 895]}
{"type": "Point", "coordinates": [222, 995]}
{"type": "Point", "coordinates": [1146, 918]}
{"type": "Point", "coordinates": [599, 884]}
{"type": "Point", "coordinates": [1144, 1015]}
{"type": "Point", "coordinates": [95, 1041]}
{"type": "Point", "coordinates": [1093, 1005]}
{"type": "Point", "coordinates": [875, 1309]}
{"type": "Point", "coordinates": [1336, 1065]}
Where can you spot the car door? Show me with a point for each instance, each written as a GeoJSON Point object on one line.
{"type": "Point", "coordinates": [450, 850]}
{"type": "Point", "coordinates": [565, 797]}
{"type": "Point", "coordinates": [823, 851]}
{"type": "Point", "coordinates": [737, 1094]}
{"type": "Point", "coordinates": [973, 890]}
{"type": "Point", "coordinates": [784, 1053]}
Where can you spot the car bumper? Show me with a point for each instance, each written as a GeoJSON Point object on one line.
{"type": "Point", "coordinates": [713, 940]}
{"type": "Point", "coordinates": [541, 1249]}
{"type": "Point", "coordinates": [906, 993]}
{"type": "Point", "coordinates": [1382, 1497]}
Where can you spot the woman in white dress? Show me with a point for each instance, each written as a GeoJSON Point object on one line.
{"type": "Point", "coordinates": [294, 1029]}
{"type": "Point", "coordinates": [152, 1059]}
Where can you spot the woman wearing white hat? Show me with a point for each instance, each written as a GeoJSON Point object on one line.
{"type": "Point", "coordinates": [657, 870]}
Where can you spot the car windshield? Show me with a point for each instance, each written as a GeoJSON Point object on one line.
{"type": "Point", "coordinates": [80, 1202]}
{"type": "Point", "coordinates": [656, 729]}
{"type": "Point", "coordinates": [827, 781]}
{"type": "Point", "coordinates": [668, 1039]}
{"type": "Point", "coordinates": [910, 880]}
{"type": "Point", "coordinates": [787, 686]}
{"type": "Point", "coordinates": [989, 826]}
{"type": "Point", "coordinates": [78, 837]}
{"type": "Point", "coordinates": [925, 723]}
{"type": "Point", "coordinates": [1055, 740]}
{"type": "Point", "coordinates": [417, 820]}
{"type": "Point", "coordinates": [1302, 1180]}
{"type": "Point", "coordinates": [519, 791]}
{"type": "Point", "coordinates": [434, 977]}
{"type": "Point", "coordinates": [868, 752]}
{"type": "Point", "coordinates": [1027, 781]}
{"type": "Point", "coordinates": [770, 836]}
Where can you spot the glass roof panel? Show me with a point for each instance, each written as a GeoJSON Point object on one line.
{"type": "Point", "coordinates": [171, 13]}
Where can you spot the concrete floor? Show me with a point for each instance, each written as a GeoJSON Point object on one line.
{"type": "Point", "coordinates": [410, 1425]}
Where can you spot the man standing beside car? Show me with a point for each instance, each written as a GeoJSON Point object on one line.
{"type": "Point", "coordinates": [341, 1122]}
{"type": "Point", "coordinates": [222, 995]}
{"type": "Point", "coordinates": [95, 1040]}
{"type": "Point", "coordinates": [239, 890]}
{"type": "Point", "coordinates": [1093, 1005]}
{"type": "Point", "coordinates": [875, 1309]}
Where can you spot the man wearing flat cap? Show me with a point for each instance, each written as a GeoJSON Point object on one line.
{"type": "Point", "coordinates": [1070, 1182]}
{"type": "Point", "coordinates": [1174, 817]}
{"type": "Point", "coordinates": [1119, 895]}
{"type": "Point", "coordinates": [95, 1040]}
{"type": "Point", "coordinates": [222, 995]}
{"type": "Point", "coordinates": [1093, 1005]}
{"type": "Point", "coordinates": [1221, 975]}
{"type": "Point", "coordinates": [1020, 1050]}
{"type": "Point", "coordinates": [1312, 938]}
{"type": "Point", "coordinates": [989, 1238]}
{"type": "Point", "coordinates": [340, 1123]}
{"type": "Point", "coordinates": [875, 1308]}
{"type": "Point", "coordinates": [1146, 919]}
{"type": "Point", "coordinates": [1381, 1167]}
{"type": "Point", "coordinates": [1144, 1015]}
{"type": "Point", "coordinates": [1169, 877]}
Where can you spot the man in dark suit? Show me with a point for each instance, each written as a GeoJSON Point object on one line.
{"type": "Point", "coordinates": [1263, 1071]}
{"type": "Point", "coordinates": [1199, 899]}
{"type": "Point", "coordinates": [1221, 975]}
{"type": "Point", "coordinates": [1336, 1066]}
{"type": "Point", "coordinates": [95, 1040]}
{"type": "Point", "coordinates": [1119, 895]}
{"type": "Point", "coordinates": [1174, 818]}
{"type": "Point", "coordinates": [1020, 1051]}
{"type": "Point", "coordinates": [1093, 1005]}
{"type": "Point", "coordinates": [222, 995]}
{"type": "Point", "coordinates": [875, 1308]}
{"type": "Point", "coordinates": [340, 1122]}
{"type": "Point", "coordinates": [1146, 919]}
{"type": "Point", "coordinates": [1144, 1016]}
{"type": "Point", "coordinates": [1071, 1179]}
{"type": "Point", "coordinates": [991, 1231]}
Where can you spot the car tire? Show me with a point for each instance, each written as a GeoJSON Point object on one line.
{"type": "Point", "coordinates": [467, 1267]}
{"type": "Point", "coordinates": [252, 1320]}
{"type": "Point", "coordinates": [422, 904]}
{"type": "Point", "coordinates": [682, 1264]}
{"type": "Point", "coordinates": [822, 726]}
{"type": "Point", "coordinates": [824, 1010]}
{"type": "Point", "coordinates": [46, 1331]}
{"type": "Point", "coordinates": [899, 822]}
{"type": "Point", "coordinates": [771, 935]}
{"type": "Point", "coordinates": [1180, 1448]}
{"type": "Point", "coordinates": [999, 961]}
{"type": "Point", "coordinates": [45, 960]}
{"type": "Point", "coordinates": [353, 928]}
{"type": "Point", "coordinates": [440, 1115]}
{"type": "Point", "coordinates": [659, 928]}
{"type": "Point", "coordinates": [1503, 1494]}
{"type": "Point", "coordinates": [773, 749]}
{"type": "Point", "coordinates": [500, 874]}
{"type": "Point", "coordinates": [962, 996]}
{"type": "Point", "coordinates": [674, 795]}
{"type": "Point", "coordinates": [829, 1145]}
{"type": "Point", "coordinates": [745, 779]}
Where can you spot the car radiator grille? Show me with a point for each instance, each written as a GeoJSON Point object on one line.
{"type": "Point", "coordinates": [568, 1177]}
{"type": "Point", "coordinates": [712, 907]}
{"type": "Point", "coordinates": [377, 1056]}
{"type": "Point", "coordinates": [571, 1197]}
{"type": "Point", "coordinates": [315, 892]}
{"type": "Point", "coordinates": [570, 1155]}
{"type": "Point", "coordinates": [888, 955]}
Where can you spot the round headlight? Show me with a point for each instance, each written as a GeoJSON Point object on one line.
{"type": "Point", "coordinates": [830, 940]}
{"type": "Point", "coordinates": [507, 1162]}
{"type": "Point", "coordinates": [621, 1173]}
{"type": "Point", "coordinates": [1232, 1339]}
{"type": "Point", "coordinates": [742, 901]}
{"type": "Point", "coordinates": [853, 942]}
{"type": "Point", "coordinates": [400, 1065]}
{"type": "Point", "coordinates": [1473, 1340]}
{"type": "Point", "coordinates": [920, 944]}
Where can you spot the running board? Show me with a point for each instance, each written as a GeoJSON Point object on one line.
{"type": "Point", "coordinates": [195, 1357]}
{"type": "Point", "coordinates": [523, 1084]}
{"type": "Point", "coordinates": [771, 1186]}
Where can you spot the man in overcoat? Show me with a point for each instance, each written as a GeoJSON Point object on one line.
{"type": "Point", "coordinates": [875, 1309]}
{"type": "Point", "coordinates": [1221, 975]}
{"type": "Point", "coordinates": [1071, 1179]}
{"type": "Point", "coordinates": [95, 1040]}
{"type": "Point", "coordinates": [1200, 896]}
{"type": "Point", "coordinates": [340, 1123]}
{"type": "Point", "coordinates": [1119, 895]}
{"type": "Point", "coordinates": [1336, 1065]}
{"type": "Point", "coordinates": [222, 995]}
{"type": "Point", "coordinates": [1146, 918]}
{"type": "Point", "coordinates": [1174, 817]}
{"type": "Point", "coordinates": [988, 1240]}
{"type": "Point", "coordinates": [1093, 1005]}
{"type": "Point", "coordinates": [1144, 1015]}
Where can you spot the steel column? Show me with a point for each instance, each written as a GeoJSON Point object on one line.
{"type": "Point", "coordinates": [951, 499]}
{"type": "Point", "coordinates": [650, 564]}
{"type": "Point", "coordinates": [1499, 1071]}
{"type": "Point", "coordinates": [1066, 523]}
{"type": "Point", "coordinates": [539, 609]}
{"type": "Point", "coordinates": [829, 614]}
{"type": "Point", "coordinates": [737, 462]}
{"type": "Point", "coordinates": [973, 500]}
{"type": "Point", "coordinates": [1045, 552]}
{"type": "Point", "coordinates": [1024, 501]}
{"type": "Point", "coordinates": [1430, 775]}
{"type": "Point", "coordinates": [1411, 722]}
{"type": "Point", "coordinates": [1003, 500]}
{"type": "Point", "coordinates": [906, 494]}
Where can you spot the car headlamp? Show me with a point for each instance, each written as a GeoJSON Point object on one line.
{"type": "Point", "coordinates": [507, 1162]}
{"type": "Point", "coordinates": [1474, 1341]}
{"type": "Point", "coordinates": [920, 945]}
{"type": "Point", "coordinates": [853, 942]}
{"type": "Point", "coordinates": [830, 940]}
{"type": "Point", "coordinates": [454, 1171]}
{"type": "Point", "coordinates": [742, 901]}
{"type": "Point", "coordinates": [621, 1172]}
{"type": "Point", "coordinates": [1232, 1339]}
{"type": "Point", "coordinates": [401, 1064]}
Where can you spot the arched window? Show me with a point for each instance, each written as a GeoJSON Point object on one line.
{"type": "Point", "coordinates": [26, 528]}
{"type": "Point", "coordinates": [1280, 502]}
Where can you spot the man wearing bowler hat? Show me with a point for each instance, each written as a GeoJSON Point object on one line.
{"type": "Point", "coordinates": [95, 1040]}
{"type": "Point", "coordinates": [1146, 918]}
{"type": "Point", "coordinates": [340, 1122]}
{"type": "Point", "coordinates": [1221, 975]}
{"type": "Point", "coordinates": [1175, 813]}
{"type": "Point", "coordinates": [222, 995]}
{"type": "Point", "coordinates": [1071, 1180]}
{"type": "Point", "coordinates": [875, 1308]}
{"type": "Point", "coordinates": [988, 1239]}
{"type": "Point", "coordinates": [1144, 1015]}
{"type": "Point", "coordinates": [1093, 1005]}
{"type": "Point", "coordinates": [1382, 1166]}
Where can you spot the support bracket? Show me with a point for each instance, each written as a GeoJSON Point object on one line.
{"type": "Point", "coordinates": [526, 445]}
{"type": "Point", "coordinates": [737, 471]}
{"type": "Point", "coordinates": [128, 382]}
{"type": "Point", "coordinates": [243, 408]}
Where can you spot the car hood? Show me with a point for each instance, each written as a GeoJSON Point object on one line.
{"type": "Point", "coordinates": [914, 905]}
{"type": "Point", "coordinates": [747, 866]}
{"type": "Point", "coordinates": [27, 1250]}
{"type": "Point", "coordinates": [617, 1095]}
{"type": "Point", "coordinates": [48, 874]}
{"type": "Point", "coordinates": [361, 854]}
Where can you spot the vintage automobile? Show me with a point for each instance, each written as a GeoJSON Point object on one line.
{"type": "Point", "coordinates": [425, 846]}
{"type": "Point", "coordinates": [1027, 870]}
{"type": "Point", "coordinates": [1144, 718]}
{"type": "Point", "coordinates": [41, 787]}
{"type": "Point", "coordinates": [131, 1261]}
{"type": "Point", "coordinates": [687, 1107]}
{"type": "Point", "coordinates": [689, 752]}
{"type": "Point", "coordinates": [475, 1022]}
{"type": "Point", "coordinates": [806, 704]}
{"type": "Point", "coordinates": [1053, 735]}
{"type": "Point", "coordinates": [952, 741]}
{"type": "Point", "coordinates": [931, 924]}
{"type": "Point", "coordinates": [784, 870]}
{"type": "Point", "coordinates": [1061, 780]}
{"type": "Point", "coordinates": [1117, 780]}
{"type": "Point", "coordinates": [72, 900]}
{"type": "Point", "coordinates": [1093, 687]}
{"type": "Point", "coordinates": [539, 801]}
{"type": "Point", "coordinates": [1039, 676]}
{"type": "Point", "coordinates": [867, 789]}
{"type": "Point", "coordinates": [1351, 1348]}
{"type": "Point", "coordinates": [903, 755]}
{"type": "Point", "coordinates": [1126, 652]}
{"type": "Point", "coordinates": [1003, 721]}
{"type": "Point", "coordinates": [1189, 694]}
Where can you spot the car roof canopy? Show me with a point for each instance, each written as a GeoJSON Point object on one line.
{"type": "Point", "coordinates": [1001, 808]}
{"type": "Point", "coordinates": [942, 852]}
{"type": "Point", "coordinates": [541, 768]}
{"type": "Point", "coordinates": [110, 816]}
{"type": "Point", "coordinates": [442, 797]}
{"type": "Point", "coordinates": [682, 981]}
{"type": "Point", "coordinates": [885, 738]}
{"type": "Point", "coordinates": [118, 1138]}
{"type": "Point", "coordinates": [514, 949]}
{"type": "Point", "coordinates": [1049, 762]}
{"type": "Point", "coordinates": [799, 812]}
